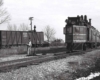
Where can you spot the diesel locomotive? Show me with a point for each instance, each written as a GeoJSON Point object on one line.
{"type": "Point", "coordinates": [80, 34]}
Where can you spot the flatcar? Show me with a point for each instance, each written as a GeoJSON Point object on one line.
{"type": "Point", "coordinates": [16, 38]}
{"type": "Point", "coordinates": [80, 34]}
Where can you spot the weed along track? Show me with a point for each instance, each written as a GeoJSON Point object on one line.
{"type": "Point", "coordinates": [14, 64]}
{"type": "Point", "coordinates": [34, 60]}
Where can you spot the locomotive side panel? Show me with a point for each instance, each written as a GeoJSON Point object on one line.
{"type": "Point", "coordinates": [92, 35]}
{"type": "Point", "coordinates": [97, 38]}
{"type": "Point", "coordinates": [69, 34]}
{"type": "Point", "coordinates": [79, 34]}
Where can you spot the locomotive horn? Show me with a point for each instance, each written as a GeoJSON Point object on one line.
{"type": "Point", "coordinates": [90, 21]}
{"type": "Point", "coordinates": [82, 17]}
{"type": "Point", "coordinates": [85, 17]}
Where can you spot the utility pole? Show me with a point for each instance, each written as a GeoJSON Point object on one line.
{"type": "Point", "coordinates": [31, 18]}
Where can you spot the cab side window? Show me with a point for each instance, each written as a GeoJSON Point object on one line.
{"type": "Point", "coordinates": [76, 30]}
{"type": "Point", "coordinates": [79, 30]}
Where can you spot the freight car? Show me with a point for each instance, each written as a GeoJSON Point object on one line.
{"type": "Point", "coordinates": [15, 38]}
{"type": "Point", "coordinates": [80, 34]}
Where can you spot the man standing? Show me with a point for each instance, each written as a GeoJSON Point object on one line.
{"type": "Point", "coordinates": [29, 47]}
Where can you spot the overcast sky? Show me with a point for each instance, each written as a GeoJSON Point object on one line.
{"type": "Point", "coordinates": [51, 12]}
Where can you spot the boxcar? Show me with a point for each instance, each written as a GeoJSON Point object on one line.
{"type": "Point", "coordinates": [15, 38]}
{"type": "Point", "coordinates": [10, 38]}
{"type": "Point", "coordinates": [36, 38]}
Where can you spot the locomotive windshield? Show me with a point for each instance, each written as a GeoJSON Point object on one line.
{"type": "Point", "coordinates": [79, 33]}
{"type": "Point", "coordinates": [69, 29]}
{"type": "Point", "coordinates": [79, 30]}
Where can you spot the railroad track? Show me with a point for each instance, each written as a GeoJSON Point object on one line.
{"type": "Point", "coordinates": [35, 60]}
{"type": "Point", "coordinates": [14, 64]}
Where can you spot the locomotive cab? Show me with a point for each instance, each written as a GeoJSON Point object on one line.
{"type": "Point", "coordinates": [76, 34]}
{"type": "Point", "coordinates": [76, 37]}
{"type": "Point", "coordinates": [80, 34]}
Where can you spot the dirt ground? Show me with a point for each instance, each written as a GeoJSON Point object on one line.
{"type": "Point", "coordinates": [23, 50]}
{"type": "Point", "coordinates": [69, 68]}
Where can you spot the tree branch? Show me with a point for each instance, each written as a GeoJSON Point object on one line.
{"type": "Point", "coordinates": [4, 16]}
{"type": "Point", "coordinates": [5, 19]}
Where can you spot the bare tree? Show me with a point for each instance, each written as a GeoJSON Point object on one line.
{"type": "Point", "coordinates": [12, 27]}
{"type": "Point", "coordinates": [23, 27]}
{"type": "Point", "coordinates": [57, 42]}
{"type": "Point", "coordinates": [15, 27]}
{"type": "Point", "coordinates": [49, 33]}
{"type": "Point", "coordinates": [4, 16]}
{"type": "Point", "coordinates": [9, 27]}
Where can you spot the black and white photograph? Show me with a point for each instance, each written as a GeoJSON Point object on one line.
{"type": "Point", "coordinates": [49, 39]}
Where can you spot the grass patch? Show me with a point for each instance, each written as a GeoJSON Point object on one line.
{"type": "Point", "coordinates": [68, 68]}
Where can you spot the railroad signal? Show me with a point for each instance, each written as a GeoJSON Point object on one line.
{"type": "Point", "coordinates": [31, 18]}
{"type": "Point", "coordinates": [34, 28]}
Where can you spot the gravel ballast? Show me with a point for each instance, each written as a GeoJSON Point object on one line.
{"type": "Point", "coordinates": [69, 68]}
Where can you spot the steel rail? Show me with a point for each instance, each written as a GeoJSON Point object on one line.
{"type": "Point", "coordinates": [35, 60]}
